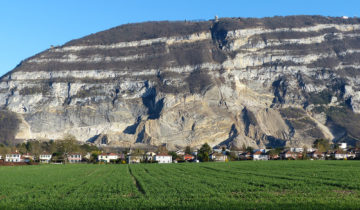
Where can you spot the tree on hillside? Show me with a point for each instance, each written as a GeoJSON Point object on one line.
{"type": "Point", "coordinates": [204, 152]}
{"type": "Point", "coordinates": [273, 153]}
{"type": "Point", "coordinates": [22, 148]}
{"type": "Point", "coordinates": [249, 149]}
{"type": "Point", "coordinates": [67, 145]}
{"type": "Point", "coordinates": [357, 145]}
{"type": "Point", "coordinates": [162, 149]}
{"type": "Point", "coordinates": [4, 150]}
{"type": "Point", "coordinates": [49, 146]}
{"type": "Point", "coordinates": [94, 156]}
{"type": "Point", "coordinates": [304, 153]}
{"type": "Point", "coordinates": [322, 145]}
{"type": "Point", "coordinates": [188, 150]}
{"type": "Point", "coordinates": [174, 155]}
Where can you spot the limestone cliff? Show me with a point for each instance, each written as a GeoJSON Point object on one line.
{"type": "Point", "coordinates": [281, 81]}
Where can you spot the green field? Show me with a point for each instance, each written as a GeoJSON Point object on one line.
{"type": "Point", "coordinates": [247, 184]}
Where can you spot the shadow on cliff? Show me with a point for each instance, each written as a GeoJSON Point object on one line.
{"type": "Point", "coordinates": [149, 100]}
{"type": "Point", "coordinates": [232, 135]}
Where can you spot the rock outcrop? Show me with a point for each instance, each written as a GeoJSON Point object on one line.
{"type": "Point", "coordinates": [282, 81]}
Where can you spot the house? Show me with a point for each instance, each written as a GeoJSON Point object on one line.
{"type": "Point", "coordinates": [328, 154]}
{"type": "Point", "coordinates": [27, 158]}
{"type": "Point", "coordinates": [342, 145]}
{"type": "Point", "coordinates": [74, 158]}
{"type": "Point", "coordinates": [108, 157]}
{"type": "Point", "coordinates": [218, 157]}
{"type": "Point", "coordinates": [340, 154]}
{"type": "Point", "coordinates": [163, 158]}
{"type": "Point", "coordinates": [351, 155]}
{"type": "Point", "coordinates": [134, 159]}
{"type": "Point", "coordinates": [288, 155]}
{"type": "Point", "coordinates": [217, 150]}
{"type": "Point", "coordinates": [245, 156]}
{"type": "Point", "coordinates": [149, 156]}
{"type": "Point", "coordinates": [180, 152]}
{"type": "Point", "coordinates": [45, 158]}
{"type": "Point", "coordinates": [13, 157]}
{"type": "Point", "coordinates": [261, 150]}
{"type": "Point", "coordinates": [311, 149]}
{"type": "Point", "coordinates": [188, 157]}
{"type": "Point", "coordinates": [259, 155]}
{"type": "Point", "coordinates": [237, 153]}
{"type": "Point", "coordinates": [297, 149]}
{"type": "Point", "coordinates": [357, 153]}
{"type": "Point", "coordinates": [316, 155]}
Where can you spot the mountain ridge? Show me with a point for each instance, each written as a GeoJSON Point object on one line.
{"type": "Point", "coordinates": [233, 81]}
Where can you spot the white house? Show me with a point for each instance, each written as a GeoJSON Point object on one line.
{"type": "Point", "coordinates": [45, 158]}
{"type": "Point", "coordinates": [297, 149]}
{"type": "Point", "coordinates": [134, 159]}
{"type": "Point", "coordinates": [260, 156]}
{"type": "Point", "coordinates": [340, 155]}
{"type": "Point", "coordinates": [343, 145]}
{"type": "Point", "coordinates": [108, 157]}
{"type": "Point", "coordinates": [0, 157]}
{"type": "Point", "coordinates": [316, 155]}
{"type": "Point", "coordinates": [162, 158]}
{"type": "Point", "coordinates": [13, 157]}
{"type": "Point", "coordinates": [74, 158]}
{"type": "Point", "coordinates": [218, 157]}
{"type": "Point", "coordinates": [288, 155]}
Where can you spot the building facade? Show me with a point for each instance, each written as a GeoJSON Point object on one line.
{"type": "Point", "coordinates": [74, 158]}
{"type": "Point", "coordinates": [45, 158]}
{"type": "Point", "coordinates": [108, 157]}
{"type": "Point", "coordinates": [13, 157]}
{"type": "Point", "coordinates": [163, 158]}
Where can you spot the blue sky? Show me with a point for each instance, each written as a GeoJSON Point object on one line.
{"type": "Point", "coordinates": [28, 27]}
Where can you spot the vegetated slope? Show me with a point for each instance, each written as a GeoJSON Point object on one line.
{"type": "Point", "coordinates": [281, 81]}
{"type": "Point", "coordinates": [246, 184]}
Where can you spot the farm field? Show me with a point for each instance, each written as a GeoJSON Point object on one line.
{"type": "Point", "coordinates": [233, 185]}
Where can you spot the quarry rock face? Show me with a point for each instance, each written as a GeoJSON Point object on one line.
{"type": "Point", "coordinates": [271, 82]}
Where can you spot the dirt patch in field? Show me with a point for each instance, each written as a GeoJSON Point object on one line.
{"type": "Point", "coordinates": [129, 195]}
{"type": "Point", "coordinates": [17, 164]}
{"type": "Point", "coordinates": [343, 192]}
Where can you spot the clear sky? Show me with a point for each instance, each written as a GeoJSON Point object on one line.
{"type": "Point", "coordinates": [28, 27]}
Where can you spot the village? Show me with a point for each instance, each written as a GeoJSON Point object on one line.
{"type": "Point", "coordinates": [204, 154]}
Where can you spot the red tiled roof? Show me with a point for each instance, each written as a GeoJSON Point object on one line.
{"type": "Point", "coordinates": [163, 155]}
{"type": "Point", "coordinates": [109, 154]}
{"type": "Point", "coordinates": [258, 153]}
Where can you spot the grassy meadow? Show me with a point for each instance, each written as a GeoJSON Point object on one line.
{"type": "Point", "coordinates": [233, 185]}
